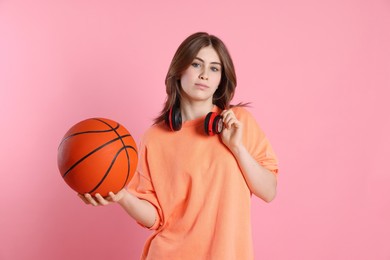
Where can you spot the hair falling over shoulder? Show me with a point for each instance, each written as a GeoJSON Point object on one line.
{"type": "Point", "coordinates": [183, 58]}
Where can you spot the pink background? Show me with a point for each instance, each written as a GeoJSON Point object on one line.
{"type": "Point", "coordinates": [317, 72]}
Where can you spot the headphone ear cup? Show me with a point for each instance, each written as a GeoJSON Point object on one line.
{"type": "Point", "coordinates": [176, 119]}
{"type": "Point", "coordinates": [213, 124]}
{"type": "Point", "coordinates": [173, 119]}
{"type": "Point", "coordinates": [218, 124]}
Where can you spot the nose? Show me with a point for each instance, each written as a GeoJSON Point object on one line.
{"type": "Point", "coordinates": [203, 76]}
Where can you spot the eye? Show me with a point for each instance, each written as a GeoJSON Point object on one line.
{"type": "Point", "coordinates": [215, 69]}
{"type": "Point", "coordinates": [195, 65]}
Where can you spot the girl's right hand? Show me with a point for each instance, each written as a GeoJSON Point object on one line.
{"type": "Point", "coordinates": [99, 200]}
{"type": "Point", "coordinates": [141, 210]}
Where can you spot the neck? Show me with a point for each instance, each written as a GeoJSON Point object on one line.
{"type": "Point", "coordinates": [194, 110]}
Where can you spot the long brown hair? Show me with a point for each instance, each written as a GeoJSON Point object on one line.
{"type": "Point", "coordinates": [183, 58]}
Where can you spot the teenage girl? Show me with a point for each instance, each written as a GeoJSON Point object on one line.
{"type": "Point", "coordinates": [199, 163]}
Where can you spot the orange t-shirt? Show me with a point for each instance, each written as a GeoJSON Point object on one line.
{"type": "Point", "coordinates": [200, 194]}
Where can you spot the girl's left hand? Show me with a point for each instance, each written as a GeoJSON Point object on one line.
{"type": "Point", "coordinates": [232, 132]}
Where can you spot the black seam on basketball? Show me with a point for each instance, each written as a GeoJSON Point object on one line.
{"type": "Point", "coordinates": [127, 154]}
{"type": "Point", "coordinates": [92, 152]}
{"type": "Point", "coordinates": [89, 132]}
{"type": "Point", "coordinates": [109, 168]}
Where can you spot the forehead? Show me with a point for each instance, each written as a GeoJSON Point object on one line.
{"type": "Point", "coordinates": [208, 54]}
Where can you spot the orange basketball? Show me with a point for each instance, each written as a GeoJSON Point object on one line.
{"type": "Point", "coordinates": [97, 155]}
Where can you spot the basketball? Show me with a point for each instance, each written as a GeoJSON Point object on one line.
{"type": "Point", "coordinates": [97, 155]}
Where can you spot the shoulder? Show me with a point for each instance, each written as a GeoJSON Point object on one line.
{"type": "Point", "coordinates": [154, 132]}
{"type": "Point", "coordinates": [252, 127]}
{"type": "Point", "coordinates": [240, 110]}
{"type": "Point", "coordinates": [243, 114]}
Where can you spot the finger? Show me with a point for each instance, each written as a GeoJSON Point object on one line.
{"type": "Point", "coordinates": [229, 121]}
{"type": "Point", "coordinates": [83, 198]}
{"type": "Point", "coordinates": [112, 196]}
{"type": "Point", "coordinates": [226, 112]}
{"type": "Point", "coordinates": [236, 124]}
{"type": "Point", "coordinates": [225, 116]}
{"type": "Point", "coordinates": [227, 124]}
{"type": "Point", "coordinates": [100, 199]}
{"type": "Point", "coordinates": [90, 199]}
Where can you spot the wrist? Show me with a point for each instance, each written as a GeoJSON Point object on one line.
{"type": "Point", "coordinates": [125, 196]}
{"type": "Point", "coordinates": [237, 149]}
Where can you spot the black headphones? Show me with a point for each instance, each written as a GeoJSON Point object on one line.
{"type": "Point", "coordinates": [213, 123]}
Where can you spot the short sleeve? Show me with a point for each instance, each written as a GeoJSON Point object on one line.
{"type": "Point", "coordinates": [256, 141]}
{"type": "Point", "coordinates": [142, 186]}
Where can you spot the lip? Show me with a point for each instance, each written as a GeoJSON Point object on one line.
{"type": "Point", "coordinates": [201, 86]}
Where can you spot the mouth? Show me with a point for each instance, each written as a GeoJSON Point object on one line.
{"type": "Point", "coordinates": [201, 86]}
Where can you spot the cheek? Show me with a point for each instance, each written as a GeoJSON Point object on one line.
{"type": "Point", "coordinates": [216, 80]}
{"type": "Point", "coordinates": [184, 81]}
{"type": "Point", "coordinates": [186, 77]}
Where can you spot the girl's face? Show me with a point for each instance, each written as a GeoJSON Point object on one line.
{"type": "Point", "coordinates": [201, 79]}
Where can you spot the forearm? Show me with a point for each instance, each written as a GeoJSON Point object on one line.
{"type": "Point", "coordinates": [141, 210]}
{"type": "Point", "coordinates": [260, 181]}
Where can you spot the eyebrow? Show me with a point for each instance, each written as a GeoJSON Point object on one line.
{"type": "Point", "coordinates": [217, 63]}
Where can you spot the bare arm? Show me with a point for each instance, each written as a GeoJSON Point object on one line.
{"type": "Point", "coordinates": [141, 210]}
{"type": "Point", "coordinates": [260, 181]}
